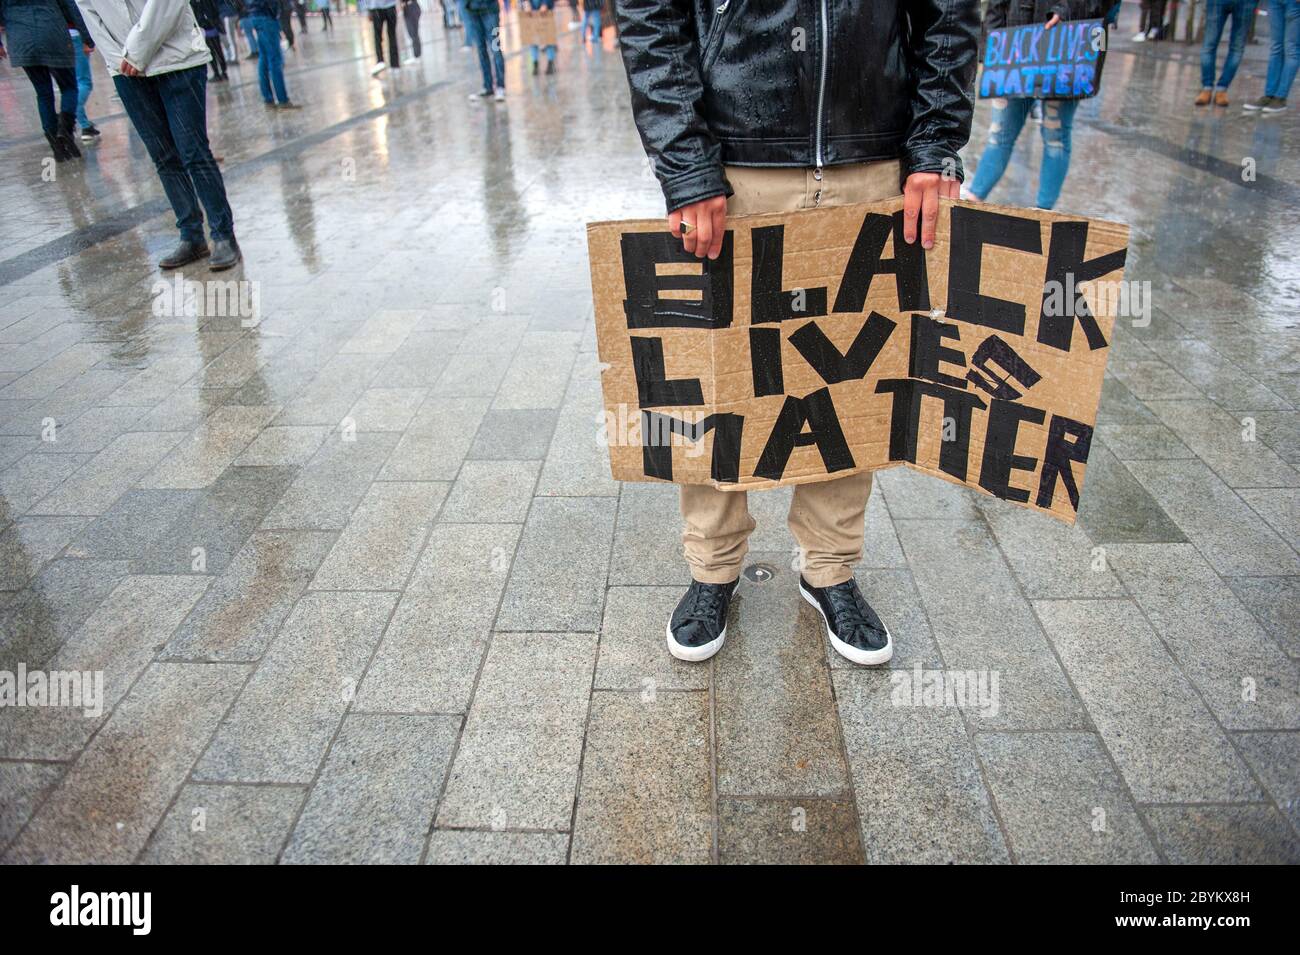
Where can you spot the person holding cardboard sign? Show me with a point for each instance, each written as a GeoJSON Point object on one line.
{"type": "Point", "coordinates": [1009, 114]}
{"type": "Point", "coordinates": [813, 103]}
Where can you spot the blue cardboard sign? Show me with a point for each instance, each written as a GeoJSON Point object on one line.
{"type": "Point", "coordinates": [1035, 62]}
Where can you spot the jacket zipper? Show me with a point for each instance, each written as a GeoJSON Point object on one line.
{"type": "Point", "coordinates": [820, 96]}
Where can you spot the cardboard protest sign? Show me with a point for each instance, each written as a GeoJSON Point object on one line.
{"type": "Point", "coordinates": [537, 27]}
{"type": "Point", "coordinates": [1031, 61]}
{"type": "Point", "coordinates": [819, 343]}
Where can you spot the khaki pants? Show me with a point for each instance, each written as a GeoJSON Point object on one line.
{"type": "Point", "coordinates": [826, 518]}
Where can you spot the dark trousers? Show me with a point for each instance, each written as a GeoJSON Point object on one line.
{"type": "Point", "coordinates": [1153, 15]}
{"type": "Point", "coordinates": [169, 111]}
{"type": "Point", "coordinates": [325, 16]}
{"type": "Point", "coordinates": [411, 14]}
{"type": "Point", "coordinates": [286, 23]}
{"type": "Point", "coordinates": [43, 80]}
{"type": "Point", "coordinates": [218, 56]}
{"type": "Point", "coordinates": [379, 20]}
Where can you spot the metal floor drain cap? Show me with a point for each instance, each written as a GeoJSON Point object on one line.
{"type": "Point", "coordinates": [759, 573]}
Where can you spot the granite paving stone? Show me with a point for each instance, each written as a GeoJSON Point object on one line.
{"type": "Point", "coordinates": [559, 573]}
{"type": "Point", "coordinates": [1243, 677]}
{"type": "Point", "coordinates": [468, 847]}
{"type": "Point", "coordinates": [646, 794]}
{"type": "Point", "coordinates": [1165, 742]}
{"type": "Point", "coordinates": [239, 615]}
{"type": "Point", "coordinates": [382, 540]}
{"type": "Point", "coordinates": [376, 794]}
{"type": "Point", "coordinates": [109, 802]}
{"type": "Point", "coordinates": [225, 825]}
{"type": "Point", "coordinates": [788, 832]}
{"type": "Point", "coordinates": [517, 765]}
{"type": "Point", "coordinates": [915, 775]}
{"type": "Point", "coordinates": [1061, 801]}
{"type": "Point", "coordinates": [1224, 835]}
{"type": "Point", "coordinates": [283, 722]}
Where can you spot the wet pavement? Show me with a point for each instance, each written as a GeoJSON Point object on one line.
{"type": "Point", "coordinates": [361, 589]}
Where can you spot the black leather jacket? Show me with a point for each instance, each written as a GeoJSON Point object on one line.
{"type": "Point", "coordinates": [797, 83]}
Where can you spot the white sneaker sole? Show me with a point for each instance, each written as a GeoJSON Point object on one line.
{"type": "Point", "coordinates": [693, 654]}
{"type": "Point", "coordinates": [866, 658]}
{"type": "Point", "coordinates": [699, 654]}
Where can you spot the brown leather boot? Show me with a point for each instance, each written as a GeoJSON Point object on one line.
{"type": "Point", "coordinates": [1221, 98]}
{"type": "Point", "coordinates": [1203, 98]}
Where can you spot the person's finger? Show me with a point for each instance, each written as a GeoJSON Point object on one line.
{"type": "Point", "coordinates": [719, 231]}
{"type": "Point", "coordinates": [911, 209]}
{"type": "Point", "coordinates": [1054, 21]}
{"type": "Point", "coordinates": [929, 216]}
{"type": "Point", "coordinates": [703, 235]}
{"type": "Point", "coordinates": [690, 235]}
{"type": "Point", "coordinates": [675, 223]}
{"type": "Point", "coordinates": [950, 189]}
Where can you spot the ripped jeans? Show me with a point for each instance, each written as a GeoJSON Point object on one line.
{"type": "Point", "coordinates": [1008, 119]}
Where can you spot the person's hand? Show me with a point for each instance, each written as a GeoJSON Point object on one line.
{"type": "Point", "coordinates": [921, 194]}
{"type": "Point", "coordinates": [87, 48]}
{"type": "Point", "coordinates": [126, 69]}
{"type": "Point", "coordinates": [1053, 22]}
{"type": "Point", "coordinates": [707, 221]}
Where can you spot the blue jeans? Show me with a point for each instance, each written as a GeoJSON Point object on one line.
{"type": "Point", "coordinates": [248, 35]}
{"type": "Point", "coordinates": [84, 82]}
{"type": "Point", "coordinates": [1283, 46]}
{"type": "Point", "coordinates": [1008, 119]}
{"type": "Point", "coordinates": [481, 27]}
{"type": "Point", "coordinates": [170, 113]}
{"type": "Point", "coordinates": [550, 47]}
{"type": "Point", "coordinates": [591, 19]}
{"type": "Point", "coordinates": [270, 61]}
{"type": "Point", "coordinates": [1216, 18]}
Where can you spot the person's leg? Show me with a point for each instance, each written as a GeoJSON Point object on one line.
{"type": "Point", "coordinates": [184, 97]}
{"type": "Point", "coordinates": [492, 29]}
{"type": "Point", "coordinates": [1058, 122]}
{"type": "Point", "coordinates": [265, 36]}
{"type": "Point", "coordinates": [66, 79]}
{"type": "Point", "coordinates": [595, 28]}
{"type": "Point", "coordinates": [390, 20]}
{"type": "Point", "coordinates": [411, 15]}
{"type": "Point", "coordinates": [144, 107]}
{"type": "Point", "coordinates": [549, 7]}
{"type": "Point", "coordinates": [1004, 126]}
{"type": "Point", "coordinates": [1241, 12]}
{"type": "Point", "coordinates": [1290, 48]}
{"type": "Point", "coordinates": [247, 26]}
{"type": "Point", "coordinates": [1215, 17]}
{"type": "Point", "coordinates": [475, 35]}
{"type": "Point", "coordinates": [43, 84]}
{"type": "Point", "coordinates": [377, 27]}
{"type": "Point", "coordinates": [274, 58]}
{"type": "Point", "coordinates": [85, 83]}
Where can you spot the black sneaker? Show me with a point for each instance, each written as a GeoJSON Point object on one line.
{"type": "Point", "coordinates": [699, 624]}
{"type": "Point", "coordinates": [854, 630]}
{"type": "Point", "coordinates": [1275, 105]}
{"type": "Point", "coordinates": [550, 67]}
{"type": "Point", "coordinates": [535, 66]}
{"type": "Point", "coordinates": [89, 133]}
{"type": "Point", "coordinates": [1257, 104]}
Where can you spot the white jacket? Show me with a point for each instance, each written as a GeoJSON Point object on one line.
{"type": "Point", "coordinates": [154, 36]}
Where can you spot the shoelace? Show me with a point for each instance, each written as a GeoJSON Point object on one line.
{"type": "Point", "coordinates": [705, 603]}
{"type": "Point", "coordinates": [845, 609]}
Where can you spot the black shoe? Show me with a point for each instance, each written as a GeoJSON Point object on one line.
{"type": "Point", "coordinates": [68, 122]}
{"type": "Point", "coordinates": [225, 255]}
{"type": "Point", "coordinates": [89, 133]}
{"type": "Point", "coordinates": [252, 56]}
{"type": "Point", "coordinates": [184, 254]}
{"type": "Point", "coordinates": [550, 67]}
{"type": "Point", "coordinates": [535, 65]}
{"type": "Point", "coordinates": [855, 631]}
{"type": "Point", "coordinates": [61, 154]}
{"type": "Point", "coordinates": [699, 624]}
{"type": "Point", "coordinates": [289, 104]}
